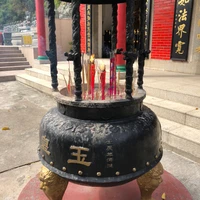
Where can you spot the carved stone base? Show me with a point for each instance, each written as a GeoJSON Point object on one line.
{"type": "Point", "coordinates": [150, 181]}
{"type": "Point", "coordinates": [53, 185]}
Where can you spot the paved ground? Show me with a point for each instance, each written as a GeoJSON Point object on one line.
{"type": "Point", "coordinates": [22, 109]}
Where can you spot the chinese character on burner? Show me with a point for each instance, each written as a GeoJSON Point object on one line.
{"type": "Point", "coordinates": [80, 158]}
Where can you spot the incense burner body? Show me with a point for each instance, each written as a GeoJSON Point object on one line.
{"type": "Point", "coordinates": [100, 143]}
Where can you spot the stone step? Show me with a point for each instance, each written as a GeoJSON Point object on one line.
{"type": "Point", "coordinates": [2, 48]}
{"type": "Point", "coordinates": [184, 98]}
{"type": "Point", "coordinates": [177, 112]}
{"type": "Point", "coordinates": [39, 84]}
{"type": "Point", "coordinates": [12, 59]}
{"type": "Point", "coordinates": [45, 75]}
{"type": "Point", "coordinates": [190, 97]}
{"type": "Point", "coordinates": [181, 139]}
{"type": "Point", "coordinates": [4, 51]}
{"type": "Point", "coordinates": [62, 67]}
{"type": "Point", "coordinates": [177, 87]}
{"type": "Point", "coordinates": [9, 75]}
{"type": "Point", "coordinates": [12, 68]}
{"type": "Point", "coordinates": [17, 63]}
{"type": "Point", "coordinates": [6, 55]}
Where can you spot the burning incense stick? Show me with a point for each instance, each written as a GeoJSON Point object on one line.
{"type": "Point", "coordinates": [69, 81]}
{"type": "Point", "coordinates": [92, 75]}
{"type": "Point", "coordinates": [111, 76]}
{"type": "Point", "coordinates": [83, 77]}
{"type": "Point", "coordinates": [65, 80]}
{"type": "Point", "coordinates": [88, 75]}
{"type": "Point", "coordinates": [102, 80]}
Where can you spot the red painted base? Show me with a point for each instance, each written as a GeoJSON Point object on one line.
{"type": "Point", "coordinates": [172, 188]}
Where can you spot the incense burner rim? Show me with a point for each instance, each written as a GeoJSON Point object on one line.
{"type": "Point", "coordinates": [99, 109]}
{"type": "Point", "coordinates": [69, 101]}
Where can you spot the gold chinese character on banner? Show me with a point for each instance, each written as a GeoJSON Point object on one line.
{"type": "Point", "coordinates": [181, 30]}
{"type": "Point", "coordinates": [80, 158]}
{"type": "Point", "coordinates": [88, 29]}
{"type": "Point", "coordinates": [88, 23]}
{"type": "Point", "coordinates": [198, 36]}
{"type": "Point", "coordinates": [179, 49]}
{"type": "Point", "coordinates": [183, 15]}
{"type": "Point", "coordinates": [199, 22]}
{"type": "Point", "coordinates": [88, 12]}
{"type": "Point", "coordinates": [183, 2]}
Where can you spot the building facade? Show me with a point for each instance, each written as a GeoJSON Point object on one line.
{"type": "Point", "coordinates": [172, 30]}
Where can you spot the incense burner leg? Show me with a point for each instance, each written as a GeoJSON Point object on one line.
{"type": "Point", "coordinates": [53, 185]}
{"type": "Point", "coordinates": [150, 181]}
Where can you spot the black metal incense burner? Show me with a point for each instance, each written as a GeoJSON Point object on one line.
{"type": "Point", "coordinates": [100, 143]}
{"type": "Point", "coordinates": [107, 142]}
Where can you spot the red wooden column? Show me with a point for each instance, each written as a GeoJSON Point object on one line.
{"type": "Point", "coordinates": [39, 5]}
{"type": "Point", "coordinates": [121, 35]}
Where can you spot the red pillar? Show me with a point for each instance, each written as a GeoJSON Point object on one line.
{"type": "Point", "coordinates": [39, 5]}
{"type": "Point", "coordinates": [121, 35]}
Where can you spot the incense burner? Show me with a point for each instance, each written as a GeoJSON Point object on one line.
{"type": "Point", "coordinates": [101, 142]}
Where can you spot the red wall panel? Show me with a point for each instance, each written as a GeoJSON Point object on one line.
{"type": "Point", "coordinates": [83, 27]}
{"type": "Point", "coordinates": [162, 29]}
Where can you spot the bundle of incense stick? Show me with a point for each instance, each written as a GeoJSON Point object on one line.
{"type": "Point", "coordinates": [118, 84]}
{"type": "Point", "coordinates": [102, 77]}
{"type": "Point", "coordinates": [83, 80]}
{"type": "Point", "coordinates": [134, 82]}
{"type": "Point", "coordinates": [69, 81]}
{"type": "Point", "coordinates": [83, 75]}
{"type": "Point", "coordinates": [88, 75]}
{"type": "Point", "coordinates": [98, 89]}
{"type": "Point", "coordinates": [65, 80]}
{"type": "Point", "coordinates": [92, 75]}
{"type": "Point", "coordinates": [111, 76]}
